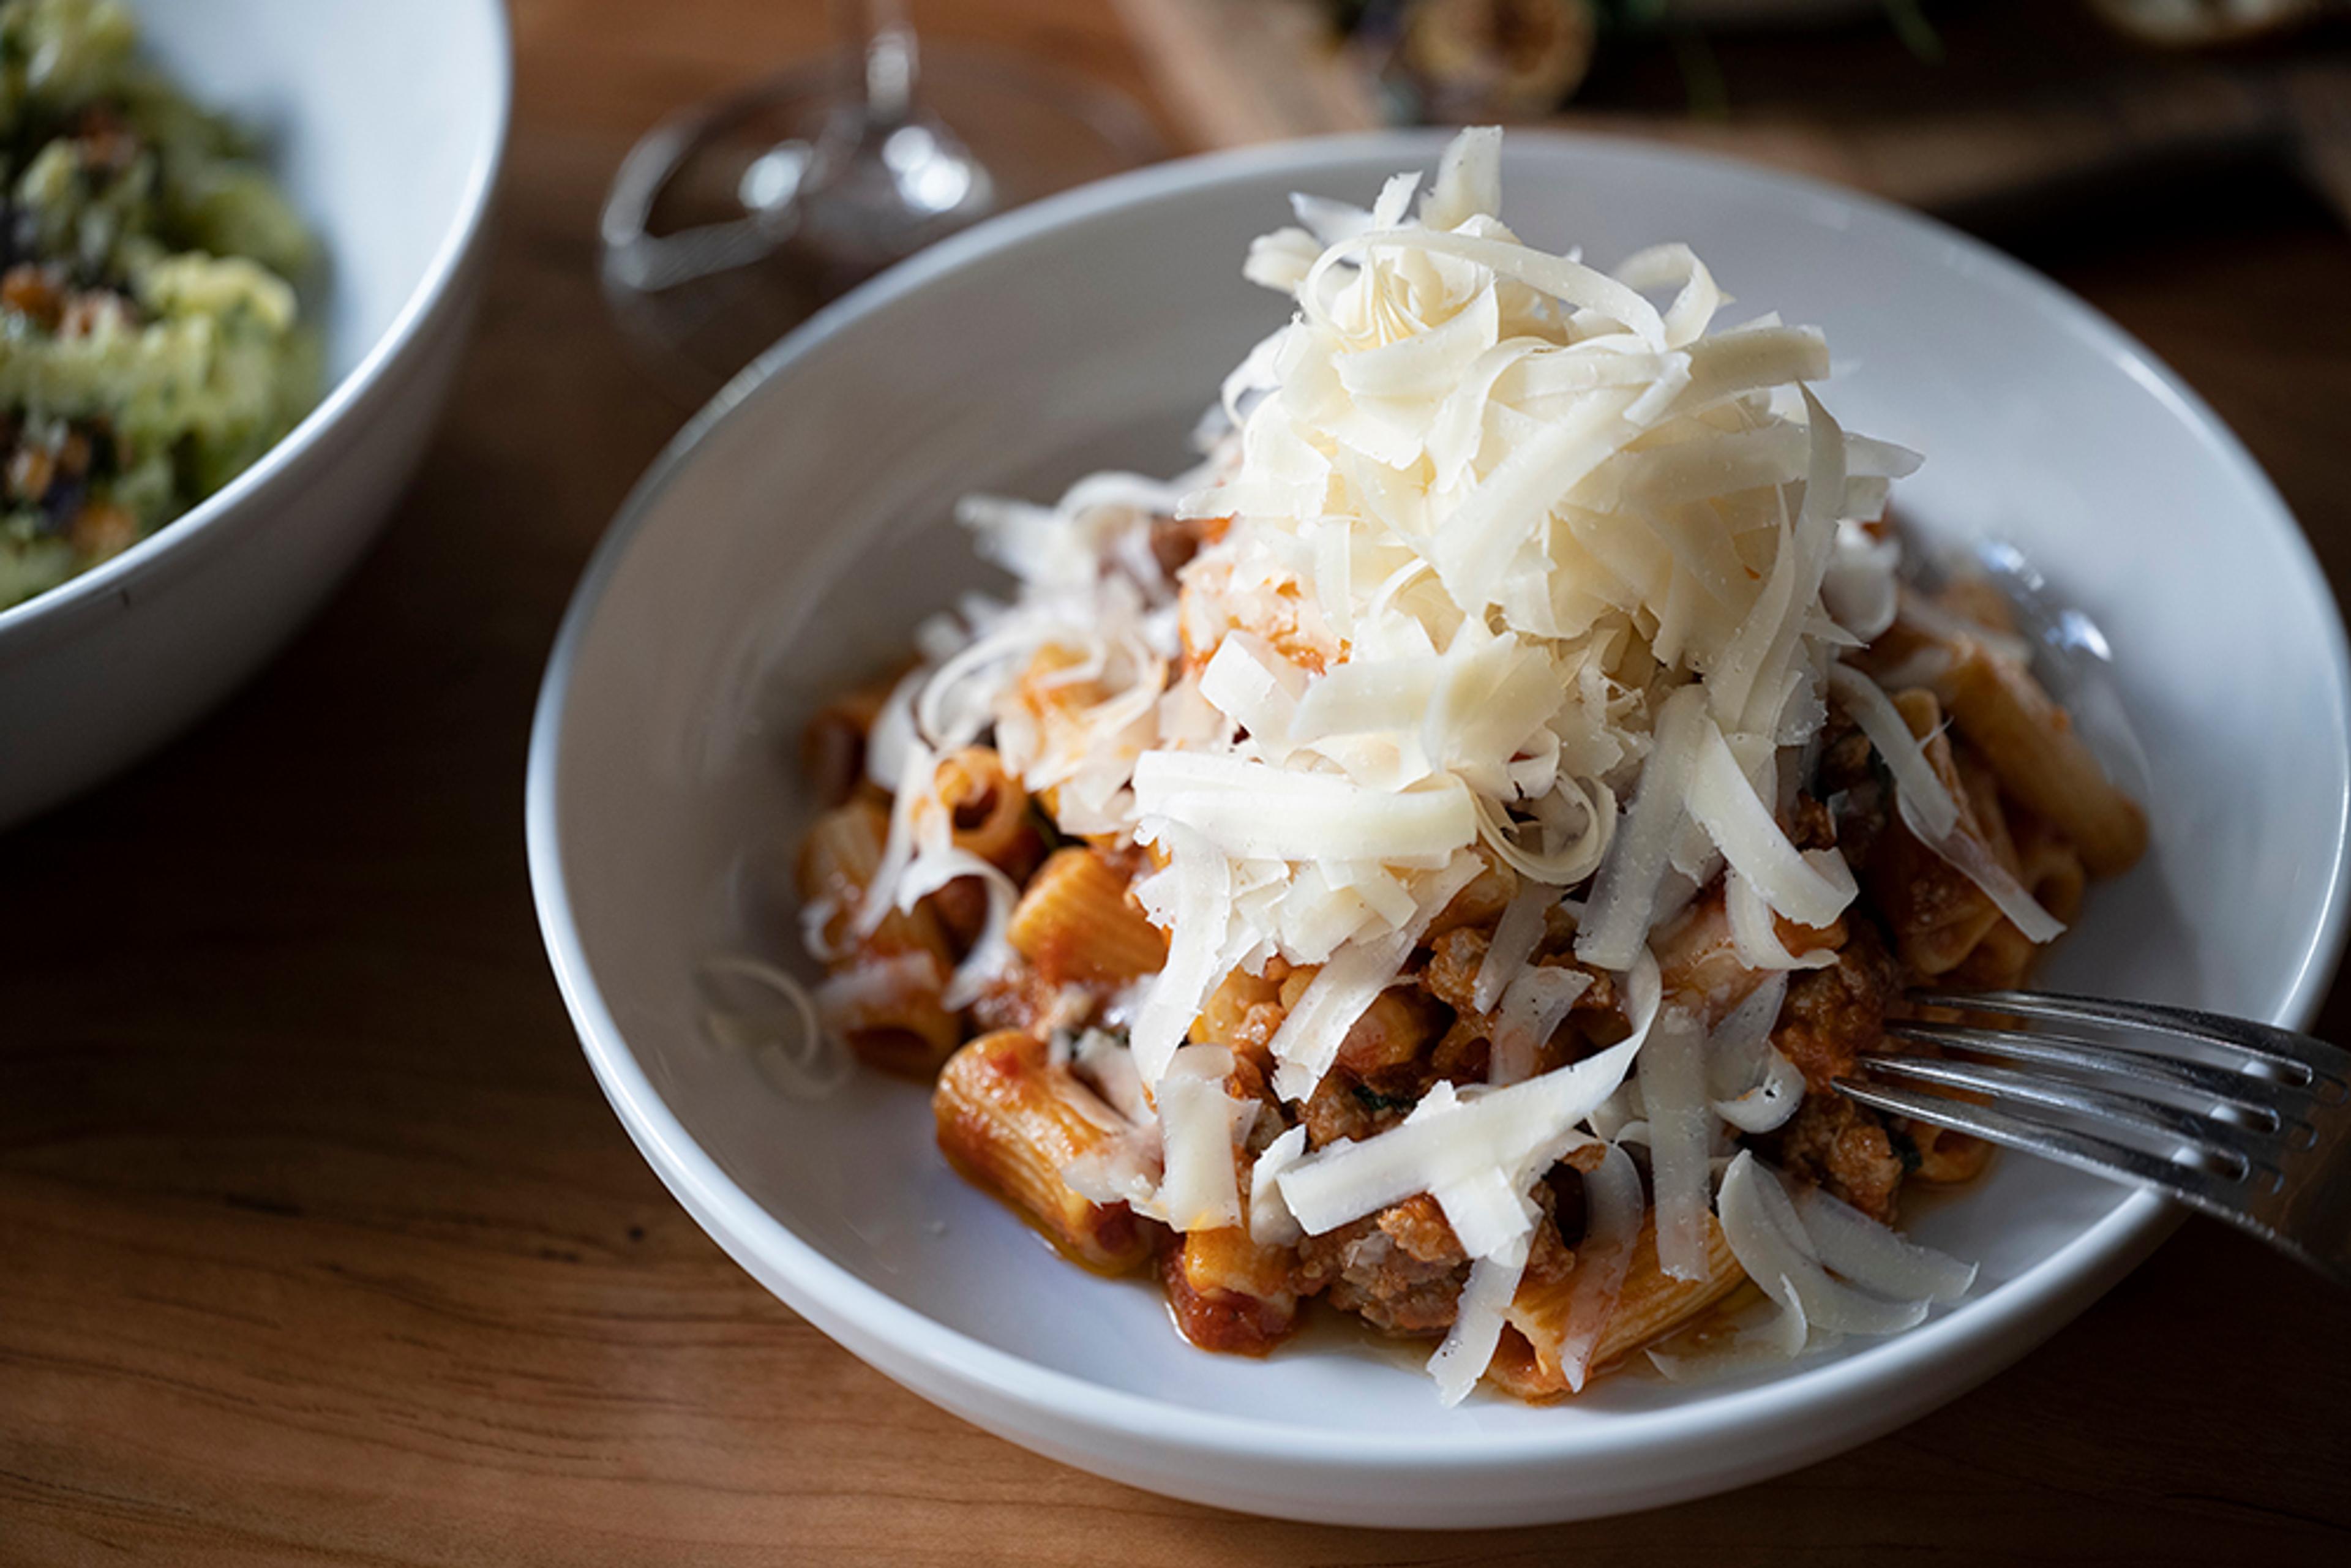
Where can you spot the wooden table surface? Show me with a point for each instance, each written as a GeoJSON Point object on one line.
{"type": "Point", "coordinates": [318, 1242]}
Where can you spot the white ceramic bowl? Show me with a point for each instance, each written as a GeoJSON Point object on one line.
{"type": "Point", "coordinates": [386, 123]}
{"type": "Point", "coordinates": [797, 528]}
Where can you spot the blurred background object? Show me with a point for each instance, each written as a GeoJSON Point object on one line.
{"type": "Point", "coordinates": [1991, 112]}
{"type": "Point", "coordinates": [2194, 23]}
{"type": "Point", "coordinates": [734, 220]}
{"type": "Point", "coordinates": [1493, 59]}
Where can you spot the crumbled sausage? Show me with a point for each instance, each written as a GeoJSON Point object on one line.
{"type": "Point", "coordinates": [1402, 1268]}
{"type": "Point", "coordinates": [1844, 1148]}
{"type": "Point", "coordinates": [1833, 1016]}
{"type": "Point", "coordinates": [1810, 826]}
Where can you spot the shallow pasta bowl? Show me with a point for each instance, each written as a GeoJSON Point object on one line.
{"type": "Point", "coordinates": [798, 529]}
{"type": "Point", "coordinates": [385, 126]}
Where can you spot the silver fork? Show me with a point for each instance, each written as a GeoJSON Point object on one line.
{"type": "Point", "coordinates": [2248, 1123]}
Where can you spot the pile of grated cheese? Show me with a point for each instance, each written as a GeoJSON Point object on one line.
{"type": "Point", "coordinates": [1516, 556]}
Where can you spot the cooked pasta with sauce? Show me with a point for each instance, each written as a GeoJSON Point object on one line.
{"type": "Point", "coordinates": [1433, 859]}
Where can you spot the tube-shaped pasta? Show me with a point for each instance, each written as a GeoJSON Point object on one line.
{"type": "Point", "coordinates": [2052, 873]}
{"type": "Point", "coordinates": [2001, 960]}
{"type": "Point", "coordinates": [987, 810]}
{"type": "Point", "coordinates": [837, 861]}
{"type": "Point", "coordinates": [1527, 1362]}
{"type": "Point", "coordinates": [1972, 597]}
{"type": "Point", "coordinates": [884, 999]}
{"type": "Point", "coordinates": [1010, 1121]}
{"type": "Point", "coordinates": [832, 745]}
{"type": "Point", "coordinates": [1075, 922]}
{"type": "Point", "coordinates": [1227, 1293]}
{"type": "Point", "coordinates": [2031, 743]}
{"type": "Point", "coordinates": [1244, 1011]}
{"type": "Point", "coordinates": [2048, 865]}
{"type": "Point", "coordinates": [1652, 1305]}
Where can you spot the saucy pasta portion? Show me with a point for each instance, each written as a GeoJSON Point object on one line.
{"type": "Point", "coordinates": [1435, 858]}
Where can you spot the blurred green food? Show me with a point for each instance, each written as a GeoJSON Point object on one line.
{"type": "Point", "coordinates": [150, 339]}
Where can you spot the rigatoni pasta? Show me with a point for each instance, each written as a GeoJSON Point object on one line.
{"type": "Point", "coordinates": [2030, 742]}
{"type": "Point", "coordinates": [1012, 1122]}
{"type": "Point", "coordinates": [1435, 860]}
{"type": "Point", "coordinates": [1075, 922]}
{"type": "Point", "coordinates": [887, 996]}
{"type": "Point", "coordinates": [988, 811]}
{"type": "Point", "coordinates": [1648, 1306]}
{"type": "Point", "coordinates": [1229, 1291]}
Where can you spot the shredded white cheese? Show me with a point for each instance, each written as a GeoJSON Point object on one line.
{"type": "Point", "coordinates": [1271, 1223]}
{"type": "Point", "coordinates": [1530, 1011]}
{"type": "Point", "coordinates": [1613, 1206]}
{"type": "Point", "coordinates": [1771, 1244]}
{"type": "Point", "coordinates": [1310, 1034]}
{"type": "Point", "coordinates": [1673, 1088]}
{"type": "Point", "coordinates": [1752, 1085]}
{"type": "Point", "coordinates": [1514, 942]}
{"type": "Point", "coordinates": [1200, 1125]}
{"type": "Point", "coordinates": [1874, 1257]}
{"type": "Point", "coordinates": [1928, 808]}
{"type": "Point", "coordinates": [1476, 1155]}
{"type": "Point", "coordinates": [1478, 1322]}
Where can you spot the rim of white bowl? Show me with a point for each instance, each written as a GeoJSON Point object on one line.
{"type": "Point", "coordinates": [1974, 1330]}
{"type": "Point", "coordinates": [146, 558]}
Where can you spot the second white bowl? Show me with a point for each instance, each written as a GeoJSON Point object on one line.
{"type": "Point", "coordinates": [387, 123]}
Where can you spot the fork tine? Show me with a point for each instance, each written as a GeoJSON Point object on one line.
{"type": "Point", "coordinates": [2239, 1146]}
{"type": "Point", "coordinates": [2308, 1060]}
{"type": "Point", "coordinates": [2276, 1102]}
{"type": "Point", "coordinates": [2084, 1151]}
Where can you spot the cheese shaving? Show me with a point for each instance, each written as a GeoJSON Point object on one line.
{"type": "Point", "coordinates": [1512, 942]}
{"type": "Point", "coordinates": [1752, 930]}
{"type": "Point", "coordinates": [1673, 1090]}
{"type": "Point", "coordinates": [1476, 1330]}
{"type": "Point", "coordinates": [1613, 1206]}
{"type": "Point", "coordinates": [1723, 803]}
{"type": "Point", "coordinates": [991, 955]}
{"type": "Point", "coordinates": [1928, 808]}
{"type": "Point", "coordinates": [1774, 1343]}
{"type": "Point", "coordinates": [1874, 1257]}
{"type": "Point", "coordinates": [792, 1047]}
{"type": "Point", "coordinates": [1624, 899]}
{"type": "Point", "coordinates": [1310, 1037]}
{"type": "Point", "coordinates": [1771, 1243]}
{"type": "Point", "coordinates": [1451, 1142]}
{"type": "Point", "coordinates": [1750, 1085]}
{"type": "Point", "coordinates": [1530, 1011]}
{"type": "Point", "coordinates": [1105, 1064]}
{"type": "Point", "coordinates": [1501, 541]}
{"type": "Point", "coordinates": [1200, 1190]}
{"type": "Point", "coordinates": [1271, 1223]}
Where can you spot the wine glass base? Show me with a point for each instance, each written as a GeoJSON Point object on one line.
{"type": "Point", "coordinates": [735, 221]}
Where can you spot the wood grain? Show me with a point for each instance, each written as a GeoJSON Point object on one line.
{"type": "Point", "coordinates": [318, 1243]}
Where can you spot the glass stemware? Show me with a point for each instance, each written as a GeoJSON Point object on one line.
{"type": "Point", "coordinates": [734, 220]}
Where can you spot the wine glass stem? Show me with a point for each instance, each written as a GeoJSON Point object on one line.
{"type": "Point", "coordinates": [882, 41]}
